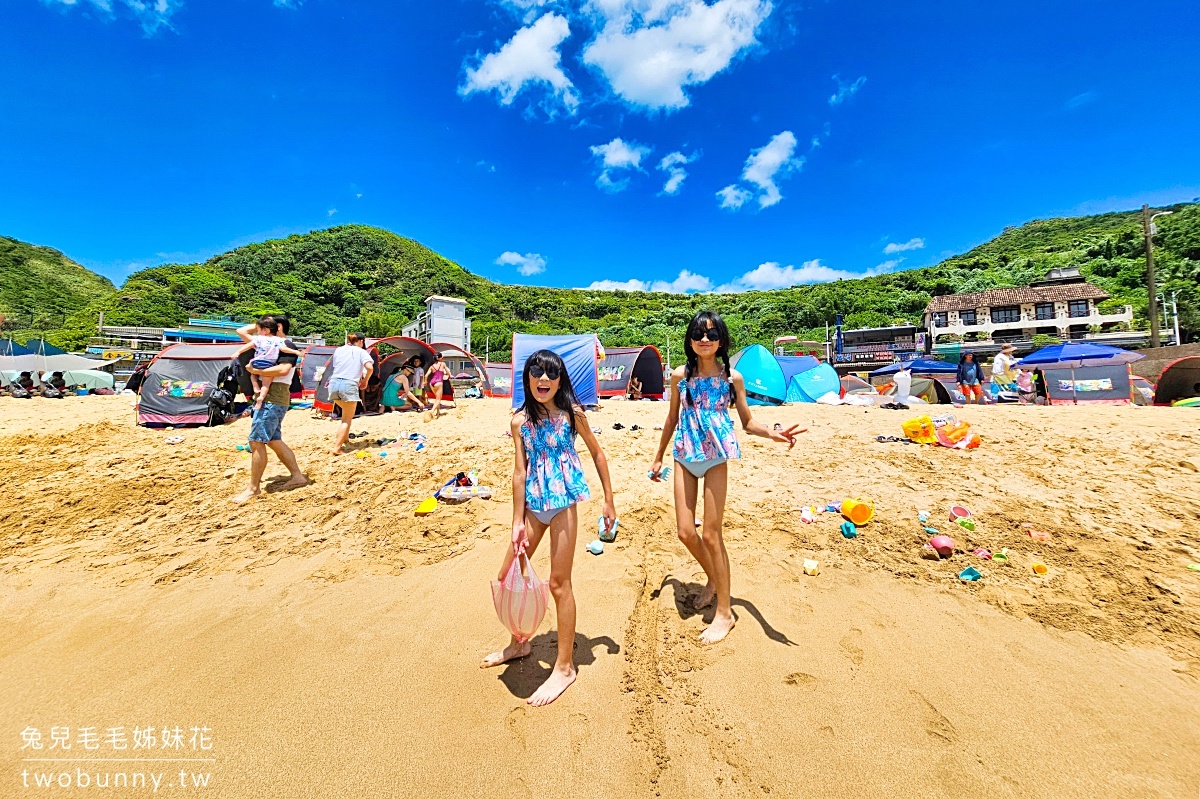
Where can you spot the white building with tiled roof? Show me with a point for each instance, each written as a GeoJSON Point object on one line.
{"type": "Point", "coordinates": [1062, 305]}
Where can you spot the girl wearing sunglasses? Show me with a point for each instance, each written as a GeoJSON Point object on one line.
{"type": "Point", "coordinates": [548, 483]}
{"type": "Point", "coordinates": [704, 440]}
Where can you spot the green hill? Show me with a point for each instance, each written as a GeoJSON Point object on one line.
{"type": "Point", "coordinates": [363, 278]}
{"type": "Point", "coordinates": [41, 287]}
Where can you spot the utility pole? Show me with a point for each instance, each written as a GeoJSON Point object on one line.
{"type": "Point", "coordinates": [1152, 289]}
{"type": "Point", "coordinates": [1175, 308]}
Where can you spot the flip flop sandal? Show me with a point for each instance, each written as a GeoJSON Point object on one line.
{"type": "Point", "coordinates": [618, 426]}
{"type": "Point", "coordinates": [636, 427]}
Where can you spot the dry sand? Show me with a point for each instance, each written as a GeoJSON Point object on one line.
{"type": "Point", "coordinates": [330, 639]}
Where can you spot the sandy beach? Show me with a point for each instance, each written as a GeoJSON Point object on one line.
{"type": "Point", "coordinates": [329, 639]}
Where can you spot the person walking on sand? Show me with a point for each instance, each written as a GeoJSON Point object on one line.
{"type": "Point", "coordinates": [547, 484]}
{"type": "Point", "coordinates": [349, 369]}
{"type": "Point", "coordinates": [970, 378]}
{"type": "Point", "coordinates": [704, 441]}
{"type": "Point", "coordinates": [266, 426]}
{"type": "Point", "coordinates": [438, 374]}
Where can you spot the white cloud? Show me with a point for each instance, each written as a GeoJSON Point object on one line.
{"type": "Point", "coordinates": [650, 50]}
{"type": "Point", "coordinates": [886, 266]}
{"type": "Point", "coordinates": [672, 164]}
{"type": "Point", "coordinates": [618, 156]}
{"type": "Point", "coordinates": [531, 56]}
{"type": "Point", "coordinates": [686, 282]}
{"type": "Point", "coordinates": [528, 264]}
{"type": "Point", "coordinates": [771, 275]}
{"type": "Point", "coordinates": [733, 196]}
{"type": "Point", "coordinates": [764, 167]}
{"type": "Point", "coordinates": [911, 244]}
{"type": "Point", "coordinates": [1080, 100]}
{"type": "Point", "coordinates": [151, 14]}
{"type": "Point", "coordinates": [331, 212]}
{"type": "Point", "coordinates": [846, 90]}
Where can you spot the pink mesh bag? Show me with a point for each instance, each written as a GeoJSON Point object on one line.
{"type": "Point", "coordinates": [521, 598]}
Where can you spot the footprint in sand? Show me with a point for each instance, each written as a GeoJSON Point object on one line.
{"type": "Point", "coordinates": [826, 730]}
{"type": "Point", "coordinates": [514, 722]}
{"type": "Point", "coordinates": [937, 725]}
{"type": "Point", "coordinates": [851, 646]}
{"type": "Point", "coordinates": [578, 730]}
{"type": "Point", "coordinates": [799, 678]}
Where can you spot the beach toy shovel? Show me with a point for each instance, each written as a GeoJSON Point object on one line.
{"type": "Point", "coordinates": [969, 574]}
{"type": "Point", "coordinates": [849, 530]}
{"type": "Point", "coordinates": [811, 567]}
{"type": "Point", "coordinates": [1000, 557]}
{"type": "Point", "coordinates": [859, 511]}
{"type": "Point", "coordinates": [429, 505]}
{"type": "Point", "coordinates": [1195, 567]}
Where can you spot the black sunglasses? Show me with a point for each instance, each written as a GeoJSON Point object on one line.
{"type": "Point", "coordinates": [712, 334]}
{"type": "Point", "coordinates": [551, 372]}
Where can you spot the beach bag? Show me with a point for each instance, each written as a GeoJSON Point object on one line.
{"type": "Point", "coordinates": [520, 598]}
{"type": "Point", "coordinates": [18, 392]}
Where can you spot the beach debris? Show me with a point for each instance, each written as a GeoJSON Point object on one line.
{"type": "Point", "coordinates": [1038, 535]}
{"type": "Point", "coordinates": [608, 534]}
{"type": "Point", "coordinates": [833, 507]}
{"type": "Point", "coordinates": [808, 514]}
{"type": "Point", "coordinates": [427, 506]}
{"type": "Point", "coordinates": [618, 426]}
{"type": "Point", "coordinates": [923, 516]}
{"type": "Point", "coordinates": [173, 440]}
{"type": "Point", "coordinates": [595, 547]}
{"type": "Point", "coordinates": [943, 545]}
{"type": "Point", "coordinates": [969, 574]}
{"type": "Point", "coordinates": [1000, 557]}
{"type": "Point", "coordinates": [859, 511]}
{"type": "Point", "coordinates": [811, 567]}
{"type": "Point", "coordinates": [982, 553]}
{"type": "Point", "coordinates": [932, 530]}
{"type": "Point", "coordinates": [1039, 568]}
{"type": "Point", "coordinates": [849, 530]}
{"type": "Point", "coordinates": [383, 454]}
{"type": "Point", "coordinates": [636, 427]}
{"type": "Point", "coordinates": [359, 435]}
{"type": "Point", "coordinates": [597, 430]}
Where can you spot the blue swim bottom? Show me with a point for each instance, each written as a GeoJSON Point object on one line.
{"type": "Point", "coordinates": [698, 468]}
{"type": "Point", "coordinates": [545, 516]}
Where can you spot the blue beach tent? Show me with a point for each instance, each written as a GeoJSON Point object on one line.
{"type": "Point", "coordinates": [765, 384]}
{"type": "Point", "coordinates": [579, 353]}
{"type": "Point", "coordinates": [815, 383]}
{"type": "Point", "coordinates": [919, 366]}
{"type": "Point", "coordinates": [793, 365]}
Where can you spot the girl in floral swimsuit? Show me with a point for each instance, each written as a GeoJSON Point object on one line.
{"type": "Point", "coordinates": [704, 440]}
{"type": "Point", "coordinates": [548, 482]}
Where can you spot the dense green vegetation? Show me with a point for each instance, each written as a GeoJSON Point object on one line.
{"type": "Point", "coordinates": [356, 277]}
{"type": "Point", "coordinates": [41, 287]}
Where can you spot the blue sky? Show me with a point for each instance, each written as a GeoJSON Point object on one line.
{"type": "Point", "coordinates": [671, 144]}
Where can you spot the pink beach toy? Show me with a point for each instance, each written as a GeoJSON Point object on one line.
{"type": "Point", "coordinates": [958, 512]}
{"type": "Point", "coordinates": [943, 545]}
{"type": "Point", "coordinates": [521, 598]}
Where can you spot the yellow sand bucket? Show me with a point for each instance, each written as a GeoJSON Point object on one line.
{"type": "Point", "coordinates": [859, 511]}
{"type": "Point", "coordinates": [1039, 568]}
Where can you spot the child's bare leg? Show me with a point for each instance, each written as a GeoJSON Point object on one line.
{"type": "Point", "coordinates": [715, 482]}
{"type": "Point", "coordinates": [686, 490]}
{"type": "Point", "coordinates": [534, 530]}
{"type": "Point", "coordinates": [562, 554]}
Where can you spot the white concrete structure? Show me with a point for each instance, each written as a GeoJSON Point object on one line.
{"type": "Point", "coordinates": [444, 320]}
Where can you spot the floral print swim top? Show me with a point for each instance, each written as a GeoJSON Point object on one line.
{"type": "Point", "coordinates": [705, 430]}
{"type": "Point", "coordinates": [553, 474]}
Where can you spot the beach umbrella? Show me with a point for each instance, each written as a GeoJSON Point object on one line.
{"type": "Point", "coordinates": [1077, 355]}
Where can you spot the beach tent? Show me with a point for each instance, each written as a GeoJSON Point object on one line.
{"type": "Point", "coordinates": [468, 361]}
{"type": "Point", "coordinates": [1111, 387]}
{"type": "Point", "coordinates": [391, 352]}
{"type": "Point", "coordinates": [622, 363]}
{"type": "Point", "coordinates": [9, 377]}
{"type": "Point", "coordinates": [853, 384]}
{"type": "Point", "coordinates": [500, 375]}
{"type": "Point", "coordinates": [1180, 380]}
{"type": "Point", "coordinates": [580, 354]}
{"type": "Point", "coordinates": [792, 365]}
{"type": "Point", "coordinates": [1089, 385]}
{"type": "Point", "coordinates": [925, 367]}
{"type": "Point", "coordinates": [179, 382]}
{"type": "Point", "coordinates": [38, 346]}
{"type": "Point", "coordinates": [762, 374]}
{"type": "Point", "coordinates": [88, 378]}
{"type": "Point", "coordinates": [9, 348]}
{"type": "Point", "coordinates": [312, 367]}
{"type": "Point", "coordinates": [810, 386]}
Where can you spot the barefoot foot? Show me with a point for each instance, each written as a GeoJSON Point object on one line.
{"type": "Point", "coordinates": [244, 497]}
{"type": "Point", "coordinates": [705, 597]}
{"type": "Point", "coordinates": [552, 688]}
{"type": "Point", "coordinates": [295, 481]}
{"type": "Point", "coordinates": [510, 652]}
{"type": "Point", "coordinates": [720, 627]}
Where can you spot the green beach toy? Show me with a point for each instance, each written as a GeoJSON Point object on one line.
{"type": "Point", "coordinates": [1000, 557]}
{"type": "Point", "coordinates": [1194, 567]}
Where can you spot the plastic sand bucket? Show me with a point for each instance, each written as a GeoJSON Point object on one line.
{"type": "Point", "coordinates": [596, 547]}
{"type": "Point", "coordinates": [859, 511]}
{"type": "Point", "coordinates": [959, 512]}
{"type": "Point", "coordinates": [943, 545]}
{"type": "Point", "coordinates": [1039, 568]}
{"type": "Point", "coordinates": [811, 567]}
{"type": "Point", "coordinates": [81, 392]}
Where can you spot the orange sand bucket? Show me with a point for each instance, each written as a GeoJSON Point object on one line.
{"type": "Point", "coordinates": [859, 511]}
